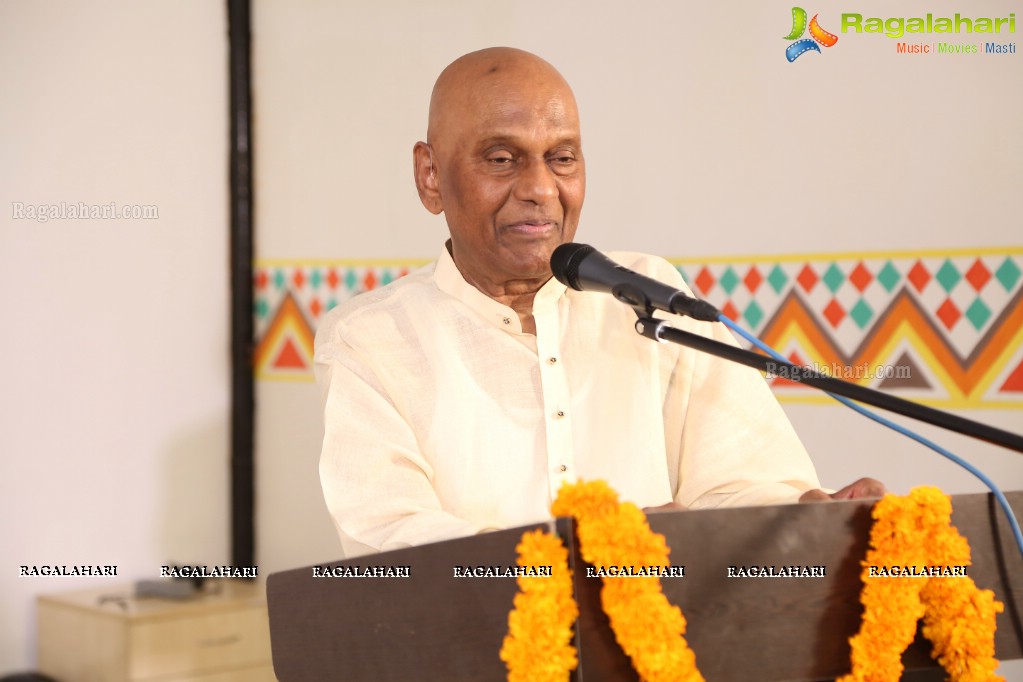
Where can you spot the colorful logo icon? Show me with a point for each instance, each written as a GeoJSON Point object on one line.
{"type": "Point", "coordinates": [817, 35]}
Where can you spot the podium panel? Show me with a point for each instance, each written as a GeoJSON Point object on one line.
{"type": "Point", "coordinates": [781, 628]}
{"type": "Point", "coordinates": [427, 626]}
{"type": "Point", "coordinates": [433, 625]}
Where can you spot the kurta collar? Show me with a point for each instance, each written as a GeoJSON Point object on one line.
{"type": "Point", "coordinates": [450, 281]}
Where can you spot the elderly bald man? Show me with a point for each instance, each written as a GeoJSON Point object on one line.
{"type": "Point", "coordinates": [458, 399]}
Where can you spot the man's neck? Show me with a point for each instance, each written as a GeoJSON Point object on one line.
{"type": "Point", "coordinates": [517, 294]}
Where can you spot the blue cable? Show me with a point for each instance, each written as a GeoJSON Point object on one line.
{"type": "Point", "coordinates": [1004, 503]}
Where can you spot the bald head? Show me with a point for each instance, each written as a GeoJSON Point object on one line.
{"type": "Point", "coordinates": [473, 80]}
{"type": "Point", "coordinates": [503, 161]}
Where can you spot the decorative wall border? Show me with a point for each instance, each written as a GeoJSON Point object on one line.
{"type": "Point", "coordinates": [942, 327]}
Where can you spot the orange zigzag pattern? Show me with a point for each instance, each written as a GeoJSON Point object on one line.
{"type": "Point", "coordinates": [966, 374]}
{"type": "Point", "coordinates": [288, 326]}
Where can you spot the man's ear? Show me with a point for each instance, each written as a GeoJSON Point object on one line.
{"type": "Point", "coordinates": [426, 177]}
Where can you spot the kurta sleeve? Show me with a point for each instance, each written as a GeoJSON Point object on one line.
{"type": "Point", "coordinates": [738, 447]}
{"type": "Point", "coordinates": [375, 482]}
{"type": "Point", "coordinates": [734, 446]}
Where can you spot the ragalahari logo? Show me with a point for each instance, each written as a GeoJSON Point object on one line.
{"type": "Point", "coordinates": [818, 35]}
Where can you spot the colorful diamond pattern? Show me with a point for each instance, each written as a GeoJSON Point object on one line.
{"type": "Point", "coordinates": [753, 314]}
{"type": "Point", "coordinates": [978, 275]}
{"type": "Point", "coordinates": [753, 279]}
{"type": "Point", "coordinates": [752, 292]}
{"type": "Point", "coordinates": [888, 276]}
{"type": "Point", "coordinates": [833, 277]}
{"type": "Point", "coordinates": [777, 279]}
{"type": "Point", "coordinates": [834, 313]}
{"type": "Point", "coordinates": [861, 277]}
{"type": "Point", "coordinates": [704, 281]}
{"type": "Point", "coordinates": [1007, 274]}
{"type": "Point", "coordinates": [948, 275]}
{"type": "Point", "coordinates": [978, 313]}
{"type": "Point", "coordinates": [807, 278]}
{"type": "Point", "coordinates": [730, 311]}
{"type": "Point", "coordinates": [919, 277]}
{"type": "Point", "coordinates": [729, 280]}
{"type": "Point", "coordinates": [861, 313]}
{"type": "Point", "coordinates": [949, 314]}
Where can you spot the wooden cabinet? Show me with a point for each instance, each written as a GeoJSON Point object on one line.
{"type": "Point", "coordinates": [108, 635]}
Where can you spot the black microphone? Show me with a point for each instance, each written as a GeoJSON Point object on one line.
{"type": "Point", "coordinates": [583, 268]}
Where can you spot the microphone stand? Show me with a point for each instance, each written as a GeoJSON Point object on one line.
{"type": "Point", "coordinates": [661, 330]}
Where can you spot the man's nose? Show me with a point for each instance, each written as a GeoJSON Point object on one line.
{"type": "Point", "coordinates": [536, 182]}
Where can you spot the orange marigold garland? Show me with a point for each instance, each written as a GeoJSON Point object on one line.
{"type": "Point", "coordinates": [646, 625]}
{"type": "Point", "coordinates": [538, 646]}
{"type": "Point", "coordinates": [959, 618]}
{"type": "Point", "coordinates": [960, 622]}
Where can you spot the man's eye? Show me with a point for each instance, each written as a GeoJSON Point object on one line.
{"type": "Point", "coordinates": [562, 164]}
{"type": "Point", "coordinates": [504, 159]}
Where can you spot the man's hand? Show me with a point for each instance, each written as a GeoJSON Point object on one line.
{"type": "Point", "coordinates": [865, 487]}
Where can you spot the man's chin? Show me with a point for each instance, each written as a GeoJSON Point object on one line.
{"type": "Point", "coordinates": [537, 263]}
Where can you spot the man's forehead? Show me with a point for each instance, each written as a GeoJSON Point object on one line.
{"type": "Point", "coordinates": [475, 67]}
{"type": "Point", "coordinates": [499, 88]}
{"type": "Point", "coordinates": [510, 104]}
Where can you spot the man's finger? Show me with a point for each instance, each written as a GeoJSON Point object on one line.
{"type": "Point", "coordinates": [815, 495]}
{"type": "Point", "coordinates": [864, 487]}
{"type": "Point", "coordinates": [670, 506]}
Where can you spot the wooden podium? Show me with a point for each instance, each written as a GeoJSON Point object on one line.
{"type": "Point", "coordinates": [435, 626]}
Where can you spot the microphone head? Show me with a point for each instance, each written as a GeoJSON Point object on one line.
{"type": "Point", "coordinates": [565, 263]}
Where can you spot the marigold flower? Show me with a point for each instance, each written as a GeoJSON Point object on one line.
{"type": "Point", "coordinates": [646, 625]}
{"type": "Point", "coordinates": [538, 646]}
{"type": "Point", "coordinates": [959, 619]}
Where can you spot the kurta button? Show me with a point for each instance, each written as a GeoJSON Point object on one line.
{"type": "Point", "coordinates": [507, 320]}
{"type": "Point", "coordinates": [559, 414]}
{"type": "Point", "coordinates": [551, 361]}
{"type": "Point", "coordinates": [563, 468]}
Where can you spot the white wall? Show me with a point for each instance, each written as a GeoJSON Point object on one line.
{"type": "Point", "coordinates": [114, 396]}
{"type": "Point", "coordinates": [700, 138]}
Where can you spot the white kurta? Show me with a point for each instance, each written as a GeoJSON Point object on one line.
{"type": "Point", "coordinates": [443, 419]}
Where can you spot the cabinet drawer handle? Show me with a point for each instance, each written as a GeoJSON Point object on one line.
{"type": "Point", "coordinates": [219, 641]}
